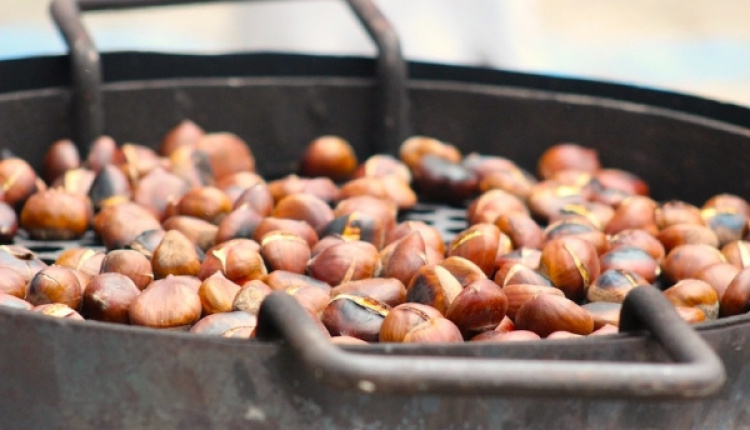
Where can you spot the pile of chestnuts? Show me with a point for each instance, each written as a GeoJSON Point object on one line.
{"type": "Point", "coordinates": [194, 240]}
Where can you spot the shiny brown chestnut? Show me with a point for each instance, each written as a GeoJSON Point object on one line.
{"type": "Point", "coordinates": [103, 151]}
{"type": "Point", "coordinates": [61, 156]}
{"type": "Point", "coordinates": [736, 298]}
{"type": "Point", "coordinates": [158, 190]}
{"type": "Point", "coordinates": [250, 296]}
{"type": "Point", "coordinates": [344, 262]}
{"type": "Point", "coordinates": [21, 260]}
{"type": "Point", "coordinates": [110, 183]}
{"type": "Point", "coordinates": [728, 224]}
{"type": "Point", "coordinates": [567, 156]}
{"type": "Point", "coordinates": [206, 203]}
{"type": "Point", "coordinates": [300, 228]}
{"type": "Point", "coordinates": [548, 198]}
{"type": "Point", "coordinates": [321, 187]}
{"type": "Point", "coordinates": [55, 284]}
{"type": "Point", "coordinates": [478, 244]}
{"type": "Point", "coordinates": [522, 230]}
{"type": "Point", "coordinates": [465, 271]}
{"type": "Point", "coordinates": [257, 197]}
{"type": "Point", "coordinates": [171, 302]}
{"type": "Point", "coordinates": [596, 213]}
{"type": "Point", "coordinates": [571, 263]}
{"type": "Point", "coordinates": [548, 313]}
{"type": "Point", "coordinates": [408, 255]}
{"type": "Point", "coordinates": [284, 251]}
{"type": "Point", "coordinates": [12, 283]}
{"type": "Point", "coordinates": [632, 259]}
{"type": "Point", "coordinates": [56, 215]}
{"type": "Point", "coordinates": [76, 181]}
{"type": "Point", "coordinates": [175, 255]}
{"type": "Point", "coordinates": [434, 330]}
{"type": "Point", "coordinates": [737, 252]}
{"type": "Point", "coordinates": [240, 325]}
{"type": "Point", "coordinates": [108, 297]}
{"type": "Point", "coordinates": [435, 286]}
{"type": "Point", "coordinates": [518, 294]}
{"type": "Point", "coordinates": [140, 160]}
{"type": "Point", "coordinates": [119, 225]}
{"type": "Point", "coordinates": [635, 212]}
{"type": "Point", "coordinates": [431, 235]}
{"type": "Point", "coordinates": [719, 276]}
{"type": "Point", "coordinates": [613, 285]}
{"type": "Point", "coordinates": [313, 299]}
{"type": "Point", "coordinates": [200, 232]}
{"type": "Point", "coordinates": [383, 165]}
{"type": "Point", "coordinates": [280, 280]}
{"type": "Point", "coordinates": [415, 148]}
{"type": "Point", "coordinates": [238, 259]}
{"type": "Point", "coordinates": [492, 204]}
{"type": "Point", "coordinates": [728, 202]}
{"type": "Point", "coordinates": [510, 336]}
{"type": "Point", "coordinates": [683, 234]}
{"type": "Point", "coordinates": [58, 310]}
{"type": "Point", "coordinates": [514, 180]}
{"type": "Point", "coordinates": [227, 153]}
{"type": "Point", "coordinates": [577, 228]}
{"type": "Point", "coordinates": [685, 261]}
{"type": "Point", "coordinates": [367, 185]}
{"type": "Point", "coordinates": [640, 239]}
{"type": "Point", "coordinates": [383, 210]}
{"type": "Point", "coordinates": [357, 226]}
{"type": "Point", "coordinates": [694, 293]}
{"type": "Point", "coordinates": [240, 223]}
{"type": "Point", "coordinates": [618, 179]}
{"type": "Point", "coordinates": [527, 256]}
{"type": "Point", "coordinates": [217, 294]}
{"type": "Point", "coordinates": [86, 260]}
{"type": "Point", "coordinates": [356, 316]}
{"type": "Point", "coordinates": [675, 212]}
{"type": "Point", "coordinates": [130, 263]}
{"type": "Point", "coordinates": [480, 306]}
{"type": "Point", "coordinates": [445, 181]}
{"type": "Point", "coordinates": [604, 313]}
{"type": "Point", "coordinates": [513, 272]}
{"type": "Point", "coordinates": [146, 242]}
{"type": "Point", "coordinates": [330, 156]}
{"type": "Point", "coordinates": [390, 291]}
{"type": "Point", "coordinates": [404, 317]}
{"type": "Point", "coordinates": [19, 181]}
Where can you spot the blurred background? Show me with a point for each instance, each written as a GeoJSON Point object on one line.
{"type": "Point", "coordinates": [690, 46]}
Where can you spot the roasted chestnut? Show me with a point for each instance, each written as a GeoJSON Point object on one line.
{"type": "Point", "coordinates": [175, 255]}
{"type": "Point", "coordinates": [694, 293]}
{"type": "Point", "coordinates": [329, 156]}
{"type": "Point", "coordinates": [108, 298]}
{"type": "Point", "coordinates": [571, 264]}
{"type": "Point", "coordinates": [356, 316]}
{"type": "Point", "coordinates": [344, 262]}
{"type": "Point", "coordinates": [55, 284]}
{"type": "Point", "coordinates": [171, 302]}
{"type": "Point", "coordinates": [284, 251]}
{"type": "Point", "coordinates": [548, 313]}
{"type": "Point", "coordinates": [390, 291]}
{"type": "Point", "coordinates": [567, 156]}
{"type": "Point", "coordinates": [56, 215]}
{"type": "Point", "coordinates": [480, 306]}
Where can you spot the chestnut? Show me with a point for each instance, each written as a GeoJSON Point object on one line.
{"type": "Point", "coordinates": [613, 285]}
{"type": "Point", "coordinates": [633, 259]}
{"type": "Point", "coordinates": [200, 232]}
{"type": "Point", "coordinates": [357, 226]}
{"type": "Point", "coordinates": [109, 184]}
{"type": "Point", "coordinates": [238, 259]}
{"type": "Point", "coordinates": [513, 179]}
{"type": "Point", "coordinates": [640, 239]}
{"type": "Point", "coordinates": [736, 298]}
{"type": "Point", "coordinates": [548, 313]}
{"type": "Point", "coordinates": [130, 263]}
{"type": "Point", "coordinates": [433, 285]}
{"type": "Point", "coordinates": [727, 224]}
{"type": "Point", "coordinates": [513, 272]}
{"type": "Point", "coordinates": [60, 157]}
{"type": "Point", "coordinates": [492, 204]}
{"type": "Point", "coordinates": [21, 260]}
{"type": "Point", "coordinates": [329, 156]}
{"type": "Point", "coordinates": [399, 192]}
{"type": "Point", "coordinates": [604, 313]}
{"type": "Point", "coordinates": [104, 151]}
{"type": "Point", "coordinates": [313, 299]}
{"type": "Point", "coordinates": [434, 330]}
{"type": "Point", "coordinates": [480, 306]}
{"type": "Point", "coordinates": [55, 284]}
{"type": "Point", "coordinates": [19, 181]}
{"type": "Point", "coordinates": [718, 275]}
{"type": "Point", "coordinates": [635, 212]}
{"type": "Point", "coordinates": [676, 212]}
{"type": "Point", "coordinates": [76, 181]}
{"type": "Point", "coordinates": [227, 153]}
{"type": "Point", "coordinates": [119, 225]}
{"type": "Point", "coordinates": [621, 180]}
{"type": "Point", "coordinates": [355, 316]}
{"type": "Point", "coordinates": [56, 215]}
{"type": "Point", "coordinates": [522, 230]}
{"type": "Point", "coordinates": [404, 317]}
{"type": "Point", "coordinates": [737, 252]}
{"type": "Point", "coordinates": [728, 203]}
{"type": "Point", "coordinates": [682, 234]}
{"type": "Point", "coordinates": [529, 257]}
{"type": "Point", "coordinates": [465, 271]}
{"type": "Point", "coordinates": [430, 235]}
{"type": "Point", "coordinates": [175, 255]}
{"type": "Point", "coordinates": [58, 310]}
{"type": "Point", "coordinates": [347, 340]}
{"type": "Point", "coordinates": [240, 223]}
{"type": "Point", "coordinates": [321, 187]}
{"type": "Point", "coordinates": [409, 254]}
{"type": "Point", "coordinates": [300, 228]}
{"type": "Point", "coordinates": [257, 197]}
{"type": "Point", "coordinates": [577, 228]}
{"type": "Point", "coordinates": [284, 251]}
{"type": "Point", "coordinates": [567, 156]}
{"type": "Point", "coordinates": [367, 185]}
{"type": "Point", "coordinates": [415, 148]}
{"type": "Point", "coordinates": [140, 160]}
{"type": "Point", "coordinates": [390, 291]}
{"type": "Point", "coordinates": [510, 336]}
{"type": "Point", "coordinates": [171, 302]}
{"type": "Point", "coordinates": [478, 244]}
{"type": "Point", "coordinates": [229, 324]}
{"type": "Point", "coordinates": [186, 133]}
{"type": "Point", "coordinates": [108, 297]}
{"type": "Point", "coordinates": [14, 302]}
{"type": "Point", "coordinates": [382, 166]}
{"type": "Point", "coordinates": [571, 263]}
{"type": "Point", "coordinates": [548, 198]}
{"type": "Point", "coordinates": [8, 223]}
{"type": "Point", "coordinates": [86, 260]}
{"type": "Point", "coordinates": [595, 213]}
{"type": "Point", "coordinates": [281, 280]}
{"type": "Point", "coordinates": [446, 181]}
{"type": "Point", "coordinates": [217, 294]}
{"type": "Point", "coordinates": [694, 293]}
{"type": "Point", "coordinates": [383, 210]}
{"type": "Point", "coordinates": [193, 166]}
{"type": "Point", "coordinates": [250, 296]}
{"type": "Point", "coordinates": [685, 261]}
{"type": "Point", "coordinates": [146, 242]}
{"type": "Point", "coordinates": [691, 315]}
{"type": "Point", "coordinates": [344, 262]}
{"type": "Point", "coordinates": [12, 283]}
{"type": "Point", "coordinates": [605, 330]}
{"type": "Point", "coordinates": [206, 203]}
{"type": "Point", "coordinates": [518, 294]}
{"type": "Point", "coordinates": [158, 190]}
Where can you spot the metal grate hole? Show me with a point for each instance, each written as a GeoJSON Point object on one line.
{"type": "Point", "coordinates": [49, 250]}
{"type": "Point", "coordinates": [448, 220]}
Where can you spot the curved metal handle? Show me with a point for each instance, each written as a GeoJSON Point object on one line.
{"type": "Point", "coordinates": [697, 372]}
{"type": "Point", "coordinates": [86, 68]}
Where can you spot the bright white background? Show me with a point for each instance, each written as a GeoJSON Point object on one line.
{"type": "Point", "coordinates": [693, 46]}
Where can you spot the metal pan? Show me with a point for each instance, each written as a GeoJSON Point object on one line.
{"type": "Point", "coordinates": [61, 374]}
